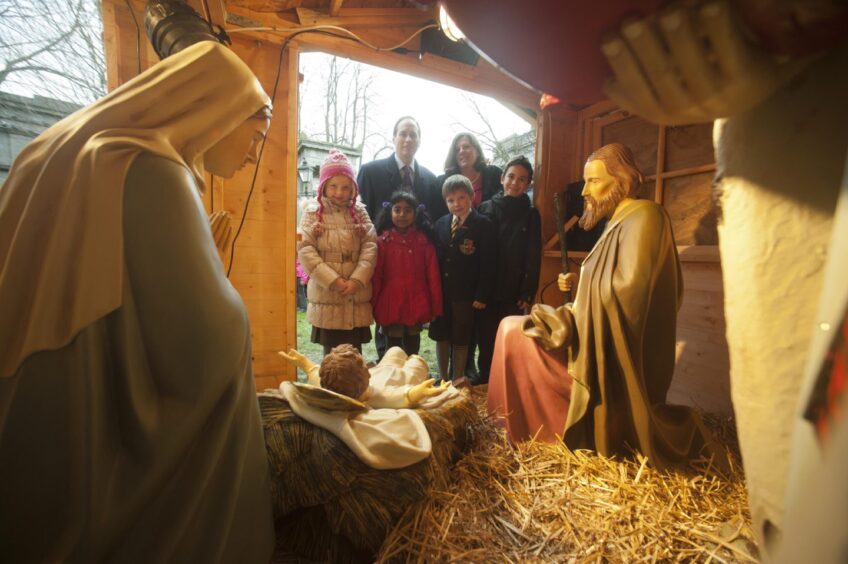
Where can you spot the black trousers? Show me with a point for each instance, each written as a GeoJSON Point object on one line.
{"type": "Point", "coordinates": [488, 321]}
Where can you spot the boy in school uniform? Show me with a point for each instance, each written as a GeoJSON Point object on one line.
{"type": "Point", "coordinates": [465, 245]}
{"type": "Point", "coordinates": [519, 256]}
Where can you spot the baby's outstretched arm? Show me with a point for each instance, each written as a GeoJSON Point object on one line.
{"type": "Point", "coordinates": [395, 398]}
{"type": "Point", "coordinates": [418, 393]}
{"type": "Point", "coordinates": [298, 360]}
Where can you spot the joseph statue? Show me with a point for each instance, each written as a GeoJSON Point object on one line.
{"type": "Point", "coordinates": [619, 332]}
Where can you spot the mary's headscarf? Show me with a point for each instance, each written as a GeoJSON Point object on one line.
{"type": "Point", "coordinates": [61, 207]}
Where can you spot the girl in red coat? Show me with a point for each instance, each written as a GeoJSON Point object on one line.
{"type": "Point", "coordinates": [406, 282]}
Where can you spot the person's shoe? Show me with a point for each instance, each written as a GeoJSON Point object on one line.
{"type": "Point", "coordinates": [478, 380]}
{"type": "Point", "coordinates": [461, 382]}
{"type": "Point", "coordinates": [471, 372]}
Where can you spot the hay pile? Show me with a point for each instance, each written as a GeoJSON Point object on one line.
{"type": "Point", "coordinates": [543, 502]}
{"type": "Point", "coordinates": [330, 506]}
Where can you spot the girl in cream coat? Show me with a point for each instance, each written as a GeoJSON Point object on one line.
{"type": "Point", "coordinates": [338, 249]}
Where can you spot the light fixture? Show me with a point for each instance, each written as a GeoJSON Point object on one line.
{"type": "Point", "coordinates": [304, 173]}
{"type": "Point", "coordinates": [449, 28]}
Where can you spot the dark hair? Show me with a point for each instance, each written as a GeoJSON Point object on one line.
{"type": "Point", "coordinates": [422, 218]}
{"type": "Point", "coordinates": [457, 183]}
{"type": "Point", "coordinates": [410, 118]}
{"type": "Point", "coordinates": [451, 165]}
{"type": "Point", "coordinates": [520, 160]}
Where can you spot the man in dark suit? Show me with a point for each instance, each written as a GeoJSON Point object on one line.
{"type": "Point", "coordinates": [378, 179]}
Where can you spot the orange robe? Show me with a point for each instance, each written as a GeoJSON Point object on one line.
{"type": "Point", "coordinates": [529, 387]}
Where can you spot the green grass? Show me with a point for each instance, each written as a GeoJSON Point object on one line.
{"type": "Point", "coordinates": [315, 352]}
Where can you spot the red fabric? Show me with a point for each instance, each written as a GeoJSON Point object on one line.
{"type": "Point", "coordinates": [477, 186]}
{"type": "Point", "coordinates": [407, 284]}
{"type": "Point", "coordinates": [529, 388]}
{"type": "Point", "coordinates": [834, 372]}
{"type": "Point", "coordinates": [558, 44]}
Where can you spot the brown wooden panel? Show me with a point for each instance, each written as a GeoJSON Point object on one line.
{"type": "Point", "coordinates": [647, 191]}
{"type": "Point", "coordinates": [701, 376]}
{"type": "Point", "coordinates": [271, 334]}
{"type": "Point", "coordinates": [554, 154]}
{"type": "Point", "coordinates": [265, 382]}
{"type": "Point", "coordinates": [260, 285]}
{"type": "Point", "coordinates": [701, 276]}
{"type": "Point", "coordinates": [268, 364]}
{"type": "Point", "coordinates": [262, 233]}
{"type": "Point", "coordinates": [687, 146]}
{"type": "Point", "coordinates": [689, 202]}
{"type": "Point", "coordinates": [640, 136]}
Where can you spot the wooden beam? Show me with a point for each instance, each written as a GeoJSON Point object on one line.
{"type": "Point", "coordinates": [335, 7]}
{"type": "Point", "coordinates": [217, 13]}
{"type": "Point", "coordinates": [401, 17]}
{"type": "Point", "coordinates": [430, 67]}
{"type": "Point", "coordinates": [482, 78]}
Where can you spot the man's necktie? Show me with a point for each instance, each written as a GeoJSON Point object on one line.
{"type": "Point", "coordinates": [454, 226]}
{"type": "Point", "coordinates": [406, 177]}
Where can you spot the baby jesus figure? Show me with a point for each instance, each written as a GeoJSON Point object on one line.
{"type": "Point", "coordinates": [396, 382]}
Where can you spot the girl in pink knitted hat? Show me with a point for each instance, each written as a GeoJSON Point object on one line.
{"type": "Point", "coordinates": [338, 249]}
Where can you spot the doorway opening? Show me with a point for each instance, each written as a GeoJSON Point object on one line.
{"type": "Point", "coordinates": [352, 107]}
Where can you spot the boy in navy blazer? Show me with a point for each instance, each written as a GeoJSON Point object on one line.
{"type": "Point", "coordinates": [465, 245]}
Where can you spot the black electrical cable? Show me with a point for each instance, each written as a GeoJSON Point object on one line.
{"type": "Point", "coordinates": [261, 151]}
{"type": "Point", "coordinates": [137, 37]}
{"type": "Point", "coordinates": [262, 148]}
{"type": "Point", "coordinates": [544, 289]}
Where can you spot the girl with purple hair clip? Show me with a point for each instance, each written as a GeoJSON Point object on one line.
{"type": "Point", "coordinates": [338, 250]}
{"type": "Point", "coordinates": [407, 284]}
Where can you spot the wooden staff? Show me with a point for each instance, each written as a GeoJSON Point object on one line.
{"type": "Point", "coordinates": [563, 242]}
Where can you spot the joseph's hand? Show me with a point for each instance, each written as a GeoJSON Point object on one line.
{"type": "Point", "coordinates": [566, 281]}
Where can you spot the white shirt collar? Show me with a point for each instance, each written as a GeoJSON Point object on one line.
{"type": "Point", "coordinates": [462, 218]}
{"type": "Point", "coordinates": [401, 164]}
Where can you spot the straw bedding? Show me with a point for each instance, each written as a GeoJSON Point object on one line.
{"type": "Point", "coordinates": [543, 503]}
{"type": "Point", "coordinates": [328, 505]}
{"type": "Point", "coordinates": [499, 503]}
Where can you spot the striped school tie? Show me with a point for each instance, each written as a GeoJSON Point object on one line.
{"type": "Point", "coordinates": [454, 226]}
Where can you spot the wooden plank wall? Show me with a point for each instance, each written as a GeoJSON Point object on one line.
{"type": "Point", "coordinates": [679, 165]}
{"type": "Point", "coordinates": [263, 264]}
{"type": "Point", "coordinates": [556, 156]}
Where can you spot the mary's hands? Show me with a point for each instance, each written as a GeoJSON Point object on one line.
{"type": "Point", "coordinates": [222, 232]}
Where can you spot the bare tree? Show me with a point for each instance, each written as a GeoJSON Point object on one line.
{"type": "Point", "coordinates": [484, 132]}
{"type": "Point", "coordinates": [347, 97]}
{"type": "Point", "coordinates": [52, 48]}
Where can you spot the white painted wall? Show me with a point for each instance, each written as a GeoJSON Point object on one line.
{"type": "Point", "coordinates": [779, 171]}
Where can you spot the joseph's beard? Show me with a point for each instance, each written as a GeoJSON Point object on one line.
{"type": "Point", "coordinates": [595, 210]}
